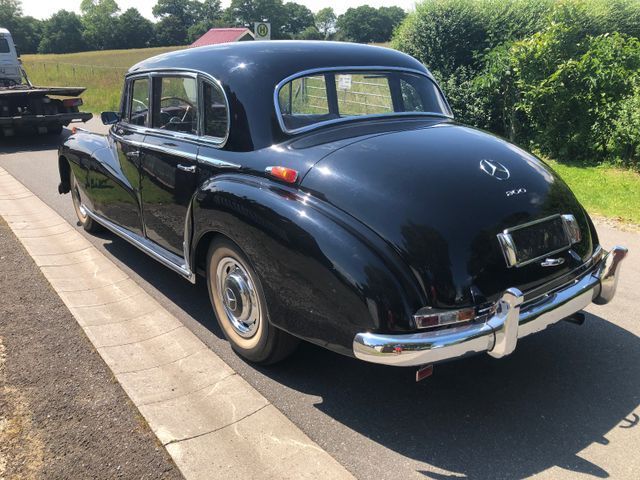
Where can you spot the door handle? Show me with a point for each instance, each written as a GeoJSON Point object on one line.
{"type": "Point", "coordinates": [134, 154]}
{"type": "Point", "coordinates": [187, 168]}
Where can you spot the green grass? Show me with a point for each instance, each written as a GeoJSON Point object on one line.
{"type": "Point", "coordinates": [101, 72]}
{"type": "Point", "coordinates": [604, 190]}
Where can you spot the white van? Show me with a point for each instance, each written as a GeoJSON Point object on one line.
{"type": "Point", "coordinates": [10, 73]}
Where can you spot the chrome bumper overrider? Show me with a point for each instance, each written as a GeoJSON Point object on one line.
{"type": "Point", "coordinates": [499, 335]}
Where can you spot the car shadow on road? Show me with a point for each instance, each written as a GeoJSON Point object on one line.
{"type": "Point", "coordinates": [561, 391]}
{"type": "Point", "coordinates": [32, 142]}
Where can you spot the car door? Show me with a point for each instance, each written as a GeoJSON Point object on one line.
{"type": "Point", "coordinates": [115, 185]}
{"type": "Point", "coordinates": [168, 162]}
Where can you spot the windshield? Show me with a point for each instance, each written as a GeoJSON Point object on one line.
{"type": "Point", "coordinates": [307, 101]}
{"type": "Point", "coordinates": [4, 45]}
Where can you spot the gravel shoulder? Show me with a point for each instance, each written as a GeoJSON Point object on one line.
{"type": "Point", "coordinates": [62, 413]}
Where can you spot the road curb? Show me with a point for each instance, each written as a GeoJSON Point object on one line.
{"type": "Point", "coordinates": [211, 421]}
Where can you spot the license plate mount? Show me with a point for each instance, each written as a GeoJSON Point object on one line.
{"type": "Point", "coordinates": [533, 241]}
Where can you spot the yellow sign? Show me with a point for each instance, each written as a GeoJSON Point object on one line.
{"type": "Point", "coordinates": [262, 30]}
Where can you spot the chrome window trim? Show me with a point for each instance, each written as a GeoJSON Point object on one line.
{"type": "Point", "coordinates": [347, 69]}
{"type": "Point", "coordinates": [200, 76]}
{"type": "Point", "coordinates": [201, 127]}
{"type": "Point", "coordinates": [129, 86]}
{"type": "Point", "coordinates": [508, 247]}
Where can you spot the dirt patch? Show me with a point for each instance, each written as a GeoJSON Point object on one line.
{"type": "Point", "coordinates": [21, 449]}
{"type": "Point", "coordinates": [616, 223]}
{"type": "Point", "coordinates": [62, 413]}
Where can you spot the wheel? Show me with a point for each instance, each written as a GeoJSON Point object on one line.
{"type": "Point", "coordinates": [85, 220]}
{"type": "Point", "coordinates": [240, 307]}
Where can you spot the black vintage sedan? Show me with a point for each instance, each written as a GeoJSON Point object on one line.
{"type": "Point", "coordinates": [325, 193]}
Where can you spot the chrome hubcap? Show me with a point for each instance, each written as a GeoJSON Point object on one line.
{"type": "Point", "coordinates": [239, 297]}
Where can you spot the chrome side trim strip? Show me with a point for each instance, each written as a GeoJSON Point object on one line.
{"type": "Point", "coordinates": [170, 151]}
{"type": "Point", "coordinates": [217, 163]}
{"type": "Point", "coordinates": [168, 259]}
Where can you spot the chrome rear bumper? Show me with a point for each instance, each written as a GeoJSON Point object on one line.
{"type": "Point", "coordinates": [499, 335]}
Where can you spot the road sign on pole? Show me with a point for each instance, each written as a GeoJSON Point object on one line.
{"type": "Point", "coordinates": [262, 30]}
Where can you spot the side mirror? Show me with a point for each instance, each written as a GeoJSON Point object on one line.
{"type": "Point", "coordinates": [109, 118]}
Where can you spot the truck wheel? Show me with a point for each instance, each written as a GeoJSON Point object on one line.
{"type": "Point", "coordinates": [85, 220]}
{"type": "Point", "coordinates": [240, 307]}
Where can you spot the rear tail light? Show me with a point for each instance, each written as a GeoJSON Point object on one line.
{"type": "Point", "coordinates": [72, 102]}
{"type": "Point", "coordinates": [429, 317]}
{"type": "Point", "coordinates": [289, 175]}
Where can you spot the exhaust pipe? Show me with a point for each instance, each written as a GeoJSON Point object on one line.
{"type": "Point", "coordinates": [578, 318]}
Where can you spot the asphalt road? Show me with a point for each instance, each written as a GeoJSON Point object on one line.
{"type": "Point", "coordinates": [564, 405]}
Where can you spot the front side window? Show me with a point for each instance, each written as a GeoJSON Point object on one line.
{"type": "Point", "coordinates": [331, 96]}
{"type": "Point", "coordinates": [139, 104]}
{"type": "Point", "coordinates": [175, 104]}
{"type": "Point", "coordinates": [215, 112]}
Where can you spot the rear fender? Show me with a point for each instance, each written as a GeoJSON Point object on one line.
{"type": "Point", "coordinates": [325, 277]}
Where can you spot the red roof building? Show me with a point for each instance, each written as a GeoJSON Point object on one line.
{"type": "Point", "coordinates": [223, 35]}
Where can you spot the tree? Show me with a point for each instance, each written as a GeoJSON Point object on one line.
{"type": "Point", "coordinates": [170, 31]}
{"type": "Point", "coordinates": [296, 18]}
{"type": "Point", "coordinates": [310, 33]}
{"type": "Point", "coordinates": [10, 10]}
{"type": "Point", "coordinates": [134, 31]}
{"type": "Point", "coordinates": [391, 17]}
{"type": "Point", "coordinates": [24, 30]}
{"type": "Point", "coordinates": [209, 15]}
{"type": "Point", "coordinates": [100, 22]}
{"type": "Point", "coordinates": [62, 33]}
{"type": "Point", "coordinates": [325, 21]}
{"type": "Point", "coordinates": [209, 11]}
{"type": "Point", "coordinates": [245, 12]}
{"type": "Point", "coordinates": [366, 24]}
{"type": "Point", "coordinates": [185, 11]}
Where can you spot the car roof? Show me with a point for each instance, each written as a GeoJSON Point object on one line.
{"type": "Point", "coordinates": [250, 71]}
{"type": "Point", "coordinates": [277, 59]}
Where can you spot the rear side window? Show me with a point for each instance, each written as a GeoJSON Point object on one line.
{"type": "Point", "coordinates": [176, 104]}
{"type": "Point", "coordinates": [305, 96]}
{"type": "Point", "coordinates": [4, 45]}
{"type": "Point", "coordinates": [215, 112]}
{"type": "Point", "coordinates": [304, 101]}
{"type": "Point", "coordinates": [139, 104]}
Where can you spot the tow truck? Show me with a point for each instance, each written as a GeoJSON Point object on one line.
{"type": "Point", "coordinates": [25, 107]}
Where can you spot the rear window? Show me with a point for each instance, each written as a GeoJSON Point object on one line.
{"type": "Point", "coordinates": [332, 96]}
{"type": "Point", "coordinates": [4, 45]}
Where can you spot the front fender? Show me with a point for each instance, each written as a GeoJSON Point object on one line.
{"type": "Point", "coordinates": [324, 275]}
{"type": "Point", "coordinates": [77, 150]}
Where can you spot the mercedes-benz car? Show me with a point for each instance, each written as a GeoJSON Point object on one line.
{"type": "Point", "coordinates": [325, 192]}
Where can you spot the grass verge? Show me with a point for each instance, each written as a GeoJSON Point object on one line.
{"type": "Point", "coordinates": [604, 190]}
{"type": "Point", "coordinates": [102, 73]}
